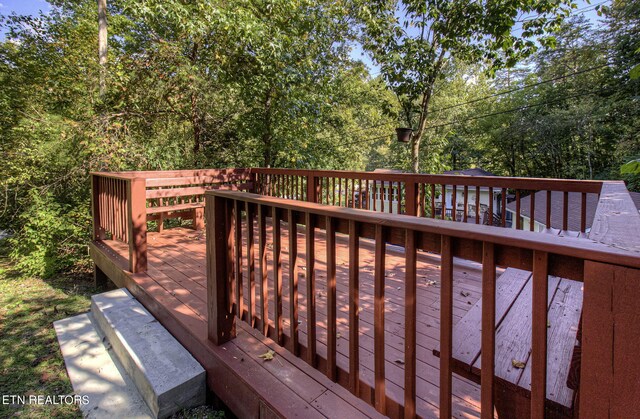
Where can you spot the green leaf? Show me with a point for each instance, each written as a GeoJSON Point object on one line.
{"type": "Point", "coordinates": [630, 168]}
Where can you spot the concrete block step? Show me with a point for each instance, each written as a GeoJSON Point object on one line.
{"type": "Point", "coordinates": [96, 375]}
{"type": "Point", "coordinates": [166, 375]}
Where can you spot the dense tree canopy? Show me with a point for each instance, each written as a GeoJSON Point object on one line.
{"type": "Point", "coordinates": [516, 87]}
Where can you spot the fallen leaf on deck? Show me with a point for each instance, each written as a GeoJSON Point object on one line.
{"type": "Point", "coordinates": [338, 335]}
{"type": "Point", "coordinates": [267, 356]}
{"type": "Point", "coordinates": [465, 293]}
{"type": "Point", "coordinates": [399, 361]}
{"type": "Point", "coordinates": [548, 323]}
{"type": "Point", "coordinates": [517, 364]}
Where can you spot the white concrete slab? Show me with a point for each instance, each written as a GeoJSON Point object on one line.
{"type": "Point", "coordinates": [94, 372]}
{"type": "Point", "coordinates": [165, 373]}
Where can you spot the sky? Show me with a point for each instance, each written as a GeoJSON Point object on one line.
{"type": "Point", "coordinates": [33, 7]}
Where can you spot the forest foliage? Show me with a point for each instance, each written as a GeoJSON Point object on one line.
{"type": "Point", "coordinates": [275, 83]}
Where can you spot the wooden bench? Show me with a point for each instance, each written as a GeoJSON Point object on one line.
{"type": "Point", "coordinates": [513, 345]}
{"type": "Point", "coordinates": [183, 197]}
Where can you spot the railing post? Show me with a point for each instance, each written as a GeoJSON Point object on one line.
{"type": "Point", "coordinates": [313, 188]}
{"type": "Point", "coordinates": [411, 197]}
{"type": "Point", "coordinates": [221, 320]}
{"type": "Point", "coordinates": [98, 230]}
{"type": "Point", "coordinates": [610, 365]}
{"type": "Point", "coordinates": [253, 180]}
{"type": "Point", "coordinates": [137, 219]}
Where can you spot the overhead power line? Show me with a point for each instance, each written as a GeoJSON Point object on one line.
{"type": "Point", "coordinates": [516, 89]}
{"type": "Point", "coordinates": [487, 115]}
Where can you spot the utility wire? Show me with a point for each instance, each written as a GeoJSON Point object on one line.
{"type": "Point", "coordinates": [477, 117]}
{"type": "Point", "coordinates": [481, 99]}
{"type": "Point", "coordinates": [516, 89]}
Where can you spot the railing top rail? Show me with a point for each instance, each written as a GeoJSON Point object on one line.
{"type": "Point", "coordinates": [616, 222]}
{"type": "Point", "coordinates": [163, 174]}
{"type": "Point", "coordinates": [568, 185]}
{"type": "Point", "coordinates": [566, 246]}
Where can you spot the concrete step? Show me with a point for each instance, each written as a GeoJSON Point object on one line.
{"type": "Point", "coordinates": [96, 375]}
{"type": "Point", "coordinates": [166, 375]}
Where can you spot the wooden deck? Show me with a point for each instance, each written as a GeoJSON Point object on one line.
{"type": "Point", "coordinates": [174, 289]}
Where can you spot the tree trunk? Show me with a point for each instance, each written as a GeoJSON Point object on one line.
{"type": "Point", "coordinates": [196, 120]}
{"type": "Point", "coordinates": [267, 136]}
{"type": "Point", "coordinates": [102, 44]}
{"type": "Point", "coordinates": [416, 138]}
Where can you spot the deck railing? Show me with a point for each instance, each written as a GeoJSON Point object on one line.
{"type": "Point", "coordinates": [123, 202]}
{"type": "Point", "coordinates": [609, 265]}
{"type": "Point", "coordinates": [421, 194]}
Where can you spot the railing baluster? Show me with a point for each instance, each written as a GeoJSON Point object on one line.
{"type": "Point", "coordinates": [264, 280]}
{"type": "Point", "coordinates": [353, 193]}
{"type": "Point", "coordinates": [503, 208]}
{"type": "Point", "coordinates": [410, 341]}
{"type": "Point", "coordinates": [339, 191]}
{"type": "Point", "coordinates": [380, 398]}
{"type": "Point", "coordinates": [466, 203]}
{"type": "Point", "coordinates": [331, 299]}
{"type": "Point", "coordinates": [548, 221]}
{"type": "Point", "coordinates": [375, 194]}
{"type": "Point", "coordinates": [433, 200]}
{"type": "Point", "coordinates": [490, 206]}
{"type": "Point", "coordinates": [565, 211]}
{"type": "Point", "coordinates": [310, 251]}
{"type": "Point", "coordinates": [532, 210]}
{"type": "Point", "coordinates": [354, 307]}
{"type": "Point", "coordinates": [231, 238]}
{"type": "Point", "coordinates": [443, 198]}
{"type": "Point", "coordinates": [333, 191]}
{"type": "Point", "coordinates": [488, 329]}
{"type": "Point", "coordinates": [446, 325]}
{"type": "Point", "coordinates": [390, 198]}
{"type": "Point", "coordinates": [518, 217]}
{"type": "Point", "coordinates": [477, 204]}
{"type": "Point", "coordinates": [454, 196]}
{"type": "Point", "coordinates": [539, 334]}
{"type": "Point", "coordinates": [583, 213]}
{"type": "Point", "coordinates": [251, 264]}
{"type": "Point", "coordinates": [277, 274]}
{"type": "Point", "coordinates": [237, 211]}
{"type": "Point", "coordinates": [360, 194]}
{"type": "Point", "coordinates": [293, 282]}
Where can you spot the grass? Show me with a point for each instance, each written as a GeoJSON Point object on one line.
{"type": "Point", "coordinates": [30, 358]}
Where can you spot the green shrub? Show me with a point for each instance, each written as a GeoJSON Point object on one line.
{"type": "Point", "coordinates": [52, 236]}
